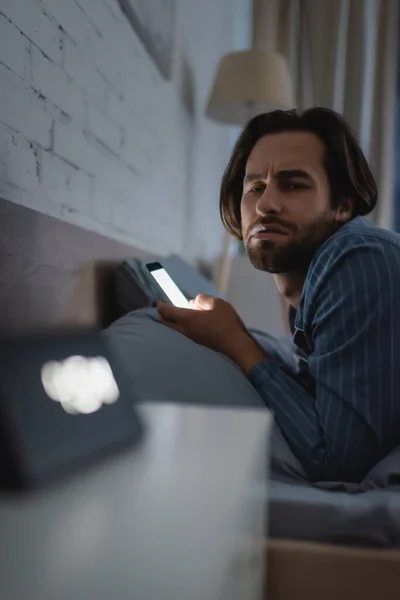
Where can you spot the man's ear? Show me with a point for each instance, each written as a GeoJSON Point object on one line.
{"type": "Point", "coordinates": [345, 210]}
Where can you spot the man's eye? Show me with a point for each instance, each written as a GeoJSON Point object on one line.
{"type": "Point", "coordinates": [255, 189]}
{"type": "Point", "coordinates": [293, 186]}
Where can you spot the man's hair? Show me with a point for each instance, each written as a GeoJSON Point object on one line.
{"type": "Point", "coordinates": [347, 169]}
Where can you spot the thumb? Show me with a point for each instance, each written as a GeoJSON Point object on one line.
{"type": "Point", "coordinates": [204, 302]}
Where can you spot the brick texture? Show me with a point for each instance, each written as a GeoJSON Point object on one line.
{"type": "Point", "coordinates": [72, 20]}
{"type": "Point", "coordinates": [12, 47]}
{"type": "Point", "coordinates": [91, 132]}
{"type": "Point", "coordinates": [28, 17]}
{"type": "Point", "coordinates": [65, 184]}
{"type": "Point", "coordinates": [54, 84]}
{"type": "Point", "coordinates": [19, 160]}
{"type": "Point", "coordinates": [21, 109]}
{"type": "Point", "coordinates": [77, 65]}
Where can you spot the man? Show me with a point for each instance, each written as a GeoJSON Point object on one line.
{"type": "Point", "coordinates": [295, 190]}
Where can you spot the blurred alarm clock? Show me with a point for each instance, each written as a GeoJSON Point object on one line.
{"type": "Point", "coordinates": [63, 405]}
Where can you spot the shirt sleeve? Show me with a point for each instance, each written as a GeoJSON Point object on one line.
{"type": "Point", "coordinates": [342, 431]}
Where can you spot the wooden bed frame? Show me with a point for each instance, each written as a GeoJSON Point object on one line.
{"type": "Point", "coordinates": [53, 273]}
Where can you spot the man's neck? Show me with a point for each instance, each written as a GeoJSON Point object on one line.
{"type": "Point", "coordinates": [290, 285]}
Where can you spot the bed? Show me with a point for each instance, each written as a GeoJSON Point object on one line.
{"type": "Point", "coordinates": [54, 273]}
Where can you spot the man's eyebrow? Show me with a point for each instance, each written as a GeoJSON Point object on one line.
{"type": "Point", "coordinates": [283, 174]}
{"type": "Point", "coordinates": [253, 177]}
{"type": "Point", "coordinates": [289, 173]}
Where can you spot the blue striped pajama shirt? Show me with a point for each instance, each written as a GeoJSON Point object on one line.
{"type": "Point", "coordinates": [341, 414]}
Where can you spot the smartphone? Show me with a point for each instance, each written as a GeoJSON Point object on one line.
{"type": "Point", "coordinates": [168, 285]}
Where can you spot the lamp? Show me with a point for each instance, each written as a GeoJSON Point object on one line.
{"type": "Point", "coordinates": [248, 83]}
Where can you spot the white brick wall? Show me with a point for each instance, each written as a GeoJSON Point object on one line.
{"type": "Point", "coordinates": [78, 67]}
{"type": "Point", "coordinates": [64, 184]}
{"type": "Point", "coordinates": [71, 19]}
{"type": "Point", "coordinates": [90, 132]}
{"type": "Point", "coordinates": [30, 19]}
{"type": "Point", "coordinates": [19, 158]}
{"type": "Point", "coordinates": [107, 132]}
{"type": "Point", "coordinates": [51, 81]}
{"type": "Point", "coordinates": [22, 110]}
{"type": "Point", "coordinates": [12, 47]}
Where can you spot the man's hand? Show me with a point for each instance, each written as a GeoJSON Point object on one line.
{"type": "Point", "coordinates": [214, 323]}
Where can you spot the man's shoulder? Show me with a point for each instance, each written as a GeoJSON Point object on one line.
{"type": "Point", "coordinates": [356, 243]}
{"type": "Point", "coordinates": [360, 229]}
{"type": "Point", "coordinates": [359, 257]}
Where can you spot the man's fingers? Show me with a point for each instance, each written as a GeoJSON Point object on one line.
{"type": "Point", "coordinates": [171, 313]}
{"type": "Point", "coordinates": [171, 325]}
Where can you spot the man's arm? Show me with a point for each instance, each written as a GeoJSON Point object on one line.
{"type": "Point", "coordinates": [351, 422]}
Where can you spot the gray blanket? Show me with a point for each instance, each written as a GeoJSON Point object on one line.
{"type": "Point", "coordinates": [162, 365]}
{"type": "Point", "coordinates": [305, 512]}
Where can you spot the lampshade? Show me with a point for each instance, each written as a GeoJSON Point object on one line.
{"type": "Point", "coordinates": [248, 83]}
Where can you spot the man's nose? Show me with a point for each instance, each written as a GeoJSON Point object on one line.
{"type": "Point", "coordinates": [269, 202]}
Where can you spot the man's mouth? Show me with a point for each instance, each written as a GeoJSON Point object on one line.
{"type": "Point", "coordinates": [267, 232]}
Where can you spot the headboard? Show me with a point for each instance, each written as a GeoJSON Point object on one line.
{"type": "Point", "coordinates": [54, 273]}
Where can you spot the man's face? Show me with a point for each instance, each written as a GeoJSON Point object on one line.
{"type": "Point", "coordinates": [285, 208]}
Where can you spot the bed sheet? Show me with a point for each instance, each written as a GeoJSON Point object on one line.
{"type": "Point", "coordinates": [305, 512]}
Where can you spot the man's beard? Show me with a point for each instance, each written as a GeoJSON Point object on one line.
{"type": "Point", "coordinates": [267, 255]}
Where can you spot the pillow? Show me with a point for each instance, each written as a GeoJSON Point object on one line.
{"type": "Point", "coordinates": [386, 473]}
{"type": "Point", "coordinates": [163, 365]}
